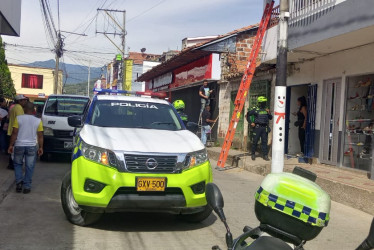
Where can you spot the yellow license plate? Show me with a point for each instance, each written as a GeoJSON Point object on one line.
{"type": "Point", "coordinates": [150, 184]}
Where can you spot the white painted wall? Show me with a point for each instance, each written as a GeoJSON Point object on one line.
{"type": "Point", "coordinates": [269, 44]}
{"type": "Point", "coordinates": [358, 61]}
{"type": "Point", "coordinates": [216, 67]}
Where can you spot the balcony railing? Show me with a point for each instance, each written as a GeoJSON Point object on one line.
{"type": "Point", "coordinates": [303, 9]}
{"type": "Point", "coordinates": [274, 19]}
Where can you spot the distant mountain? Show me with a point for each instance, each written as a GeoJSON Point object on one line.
{"type": "Point", "coordinates": [73, 73]}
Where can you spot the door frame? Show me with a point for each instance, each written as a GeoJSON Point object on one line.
{"type": "Point", "coordinates": [288, 112]}
{"type": "Point", "coordinates": [324, 133]}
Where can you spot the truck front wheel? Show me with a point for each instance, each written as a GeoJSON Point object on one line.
{"type": "Point", "coordinates": [73, 212]}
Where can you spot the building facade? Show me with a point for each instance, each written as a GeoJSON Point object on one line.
{"type": "Point", "coordinates": [222, 61]}
{"type": "Point", "coordinates": [331, 46]}
{"type": "Point", "coordinates": [141, 62]}
{"type": "Point", "coordinates": [33, 82]}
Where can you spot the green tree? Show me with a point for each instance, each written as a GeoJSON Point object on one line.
{"type": "Point", "coordinates": [6, 83]}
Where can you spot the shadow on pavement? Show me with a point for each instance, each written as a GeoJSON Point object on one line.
{"type": "Point", "coordinates": [149, 222]}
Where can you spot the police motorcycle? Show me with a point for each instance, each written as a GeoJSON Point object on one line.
{"type": "Point", "coordinates": [291, 208]}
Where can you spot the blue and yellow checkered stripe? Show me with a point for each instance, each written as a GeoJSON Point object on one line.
{"type": "Point", "coordinates": [78, 149]}
{"type": "Point", "coordinates": [291, 208]}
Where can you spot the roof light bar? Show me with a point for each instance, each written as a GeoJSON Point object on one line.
{"type": "Point", "coordinates": [161, 95]}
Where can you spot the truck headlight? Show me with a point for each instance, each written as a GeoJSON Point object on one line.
{"type": "Point", "coordinates": [195, 158]}
{"type": "Point", "coordinates": [99, 155]}
{"type": "Point", "coordinates": [47, 131]}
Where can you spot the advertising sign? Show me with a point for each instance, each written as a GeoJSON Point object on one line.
{"type": "Point", "coordinates": [128, 74]}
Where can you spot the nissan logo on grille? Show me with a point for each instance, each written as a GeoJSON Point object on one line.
{"type": "Point", "coordinates": [151, 163]}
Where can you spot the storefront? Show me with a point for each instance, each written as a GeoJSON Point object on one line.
{"type": "Point", "coordinates": [183, 83]}
{"type": "Point", "coordinates": [359, 122]}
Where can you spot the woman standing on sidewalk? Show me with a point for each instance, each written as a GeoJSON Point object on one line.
{"type": "Point", "coordinates": [301, 121]}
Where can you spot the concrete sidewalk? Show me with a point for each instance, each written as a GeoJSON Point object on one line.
{"type": "Point", "coordinates": [7, 178]}
{"type": "Point", "coordinates": [349, 187]}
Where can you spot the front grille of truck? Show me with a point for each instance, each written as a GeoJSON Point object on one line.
{"type": "Point", "coordinates": [62, 133]}
{"type": "Point", "coordinates": [137, 163]}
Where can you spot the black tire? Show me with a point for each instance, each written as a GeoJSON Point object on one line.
{"type": "Point", "coordinates": [73, 212]}
{"type": "Point", "coordinates": [197, 217]}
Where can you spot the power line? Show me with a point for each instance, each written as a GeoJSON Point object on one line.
{"type": "Point", "coordinates": [43, 48]}
{"type": "Point", "coordinates": [147, 10]}
{"type": "Point", "coordinates": [58, 13]}
{"type": "Point", "coordinates": [47, 25]}
{"type": "Point", "coordinates": [50, 15]}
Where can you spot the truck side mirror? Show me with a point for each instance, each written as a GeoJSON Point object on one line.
{"type": "Point", "coordinates": [75, 121]}
{"type": "Point", "coordinates": [192, 126]}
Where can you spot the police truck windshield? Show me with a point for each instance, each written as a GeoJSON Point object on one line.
{"type": "Point", "coordinates": [130, 114]}
{"type": "Point", "coordinates": [65, 106]}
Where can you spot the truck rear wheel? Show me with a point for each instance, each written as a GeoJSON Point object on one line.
{"type": "Point", "coordinates": [73, 212]}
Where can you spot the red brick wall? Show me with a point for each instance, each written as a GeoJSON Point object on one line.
{"type": "Point", "coordinates": [238, 61]}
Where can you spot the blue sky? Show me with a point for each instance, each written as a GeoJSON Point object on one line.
{"type": "Point", "coordinates": [157, 25]}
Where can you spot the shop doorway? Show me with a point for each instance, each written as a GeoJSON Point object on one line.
{"type": "Point", "coordinates": [293, 143]}
{"type": "Point", "coordinates": [329, 140]}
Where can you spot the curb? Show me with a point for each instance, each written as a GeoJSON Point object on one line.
{"type": "Point", "coordinates": [340, 192]}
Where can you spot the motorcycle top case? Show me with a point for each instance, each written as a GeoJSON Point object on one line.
{"type": "Point", "coordinates": [292, 204]}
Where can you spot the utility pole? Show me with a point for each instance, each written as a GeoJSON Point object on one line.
{"type": "Point", "coordinates": [277, 163]}
{"type": "Point", "coordinates": [123, 66]}
{"type": "Point", "coordinates": [88, 81]}
{"type": "Point", "coordinates": [59, 52]}
{"type": "Point", "coordinates": [123, 33]}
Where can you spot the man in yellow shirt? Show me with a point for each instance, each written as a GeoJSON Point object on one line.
{"type": "Point", "coordinates": [15, 111]}
{"type": "Point", "coordinates": [26, 143]}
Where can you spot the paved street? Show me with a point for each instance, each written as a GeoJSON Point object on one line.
{"type": "Point", "coordinates": [36, 220]}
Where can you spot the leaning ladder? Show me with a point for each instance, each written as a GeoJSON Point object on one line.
{"type": "Point", "coordinates": [245, 84]}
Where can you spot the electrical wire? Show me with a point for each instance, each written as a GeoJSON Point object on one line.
{"type": "Point", "coordinates": [43, 48]}
{"type": "Point", "coordinates": [50, 16]}
{"type": "Point", "coordinates": [58, 14]}
{"type": "Point", "coordinates": [147, 10]}
{"type": "Point", "coordinates": [47, 25]}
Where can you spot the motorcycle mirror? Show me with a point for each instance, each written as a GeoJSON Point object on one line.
{"type": "Point", "coordinates": [215, 200]}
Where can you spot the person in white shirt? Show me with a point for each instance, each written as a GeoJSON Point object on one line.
{"type": "Point", "coordinates": [27, 134]}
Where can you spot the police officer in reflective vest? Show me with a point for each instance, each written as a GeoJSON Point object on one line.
{"type": "Point", "coordinates": [179, 106]}
{"type": "Point", "coordinates": [259, 118]}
